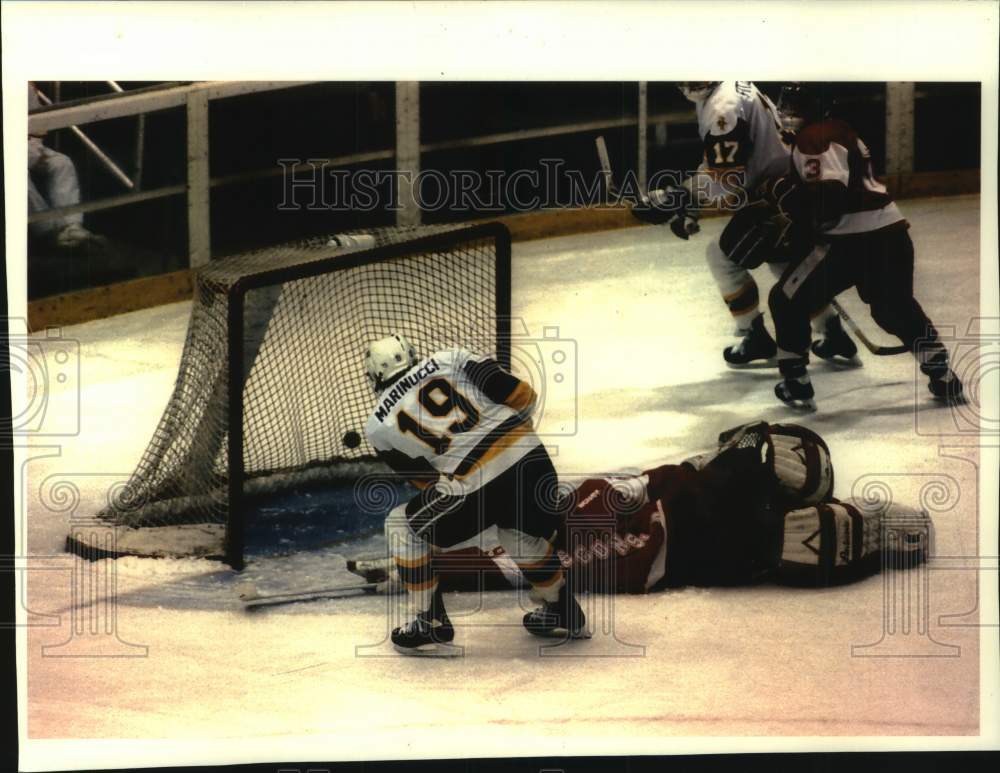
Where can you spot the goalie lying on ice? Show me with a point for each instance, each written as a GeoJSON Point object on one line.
{"type": "Point", "coordinates": [759, 507]}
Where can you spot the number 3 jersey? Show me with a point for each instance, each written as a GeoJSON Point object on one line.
{"type": "Point", "coordinates": [743, 141]}
{"type": "Point", "coordinates": [456, 415]}
{"type": "Point", "coordinates": [839, 190]}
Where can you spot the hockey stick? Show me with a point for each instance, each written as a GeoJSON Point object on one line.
{"type": "Point", "coordinates": [682, 226]}
{"type": "Point", "coordinates": [602, 155]}
{"type": "Point", "coordinates": [609, 180]}
{"type": "Point", "coordinates": [252, 599]}
{"type": "Point", "coordinates": [874, 348]}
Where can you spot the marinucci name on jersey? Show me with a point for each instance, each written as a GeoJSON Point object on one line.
{"type": "Point", "coordinates": [401, 387]}
{"type": "Point", "coordinates": [453, 414]}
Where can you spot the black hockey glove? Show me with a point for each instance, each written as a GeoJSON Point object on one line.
{"type": "Point", "coordinates": [668, 205]}
{"type": "Point", "coordinates": [789, 198]}
{"type": "Point", "coordinates": [755, 234]}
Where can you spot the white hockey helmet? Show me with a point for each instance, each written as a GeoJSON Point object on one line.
{"type": "Point", "coordinates": [696, 91]}
{"type": "Point", "coordinates": [387, 358]}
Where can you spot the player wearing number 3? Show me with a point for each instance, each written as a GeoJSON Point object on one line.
{"type": "Point", "coordinates": [458, 426]}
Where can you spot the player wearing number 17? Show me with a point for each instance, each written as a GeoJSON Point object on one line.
{"type": "Point", "coordinates": [458, 426]}
{"type": "Point", "coordinates": [744, 143]}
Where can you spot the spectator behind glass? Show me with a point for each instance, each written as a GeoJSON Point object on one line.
{"type": "Point", "coordinates": [52, 183]}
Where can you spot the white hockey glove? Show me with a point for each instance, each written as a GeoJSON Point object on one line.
{"type": "Point", "coordinates": [381, 571]}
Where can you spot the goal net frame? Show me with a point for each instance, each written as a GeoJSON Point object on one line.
{"type": "Point", "coordinates": [235, 525]}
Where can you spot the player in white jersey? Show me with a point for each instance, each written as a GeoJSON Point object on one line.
{"type": "Point", "coordinates": [458, 426]}
{"type": "Point", "coordinates": [744, 144]}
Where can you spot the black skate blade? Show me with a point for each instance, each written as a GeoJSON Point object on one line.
{"type": "Point", "coordinates": [842, 363]}
{"type": "Point", "coordinates": [560, 633]}
{"type": "Point", "coordinates": [771, 362]}
{"type": "Point", "coordinates": [436, 650]}
{"type": "Point", "coordinates": [949, 399]}
{"type": "Point", "coordinates": [807, 405]}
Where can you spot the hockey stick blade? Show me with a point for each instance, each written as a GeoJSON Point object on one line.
{"type": "Point", "coordinates": [612, 191]}
{"type": "Point", "coordinates": [880, 351]}
{"type": "Point", "coordinates": [253, 599]}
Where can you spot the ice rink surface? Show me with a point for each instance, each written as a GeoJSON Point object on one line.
{"type": "Point", "coordinates": [638, 313]}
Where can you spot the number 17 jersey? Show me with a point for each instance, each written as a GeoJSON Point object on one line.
{"type": "Point", "coordinates": [455, 415]}
{"type": "Point", "coordinates": [742, 135]}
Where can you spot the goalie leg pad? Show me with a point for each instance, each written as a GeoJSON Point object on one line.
{"type": "Point", "coordinates": [829, 544]}
{"type": "Point", "coordinates": [838, 542]}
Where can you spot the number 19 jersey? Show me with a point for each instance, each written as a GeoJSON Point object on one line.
{"type": "Point", "coordinates": [456, 415]}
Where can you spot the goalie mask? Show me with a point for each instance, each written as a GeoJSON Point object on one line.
{"type": "Point", "coordinates": [696, 91]}
{"type": "Point", "coordinates": [387, 359]}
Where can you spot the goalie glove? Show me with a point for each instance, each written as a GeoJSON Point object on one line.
{"type": "Point", "coordinates": [803, 468]}
{"type": "Point", "coordinates": [669, 205]}
{"type": "Point", "coordinates": [795, 458]}
{"type": "Point", "coordinates": [381, 571]}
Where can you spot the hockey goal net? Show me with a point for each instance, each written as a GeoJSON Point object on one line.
{"type": "Point", "coordinates": [271, 386]}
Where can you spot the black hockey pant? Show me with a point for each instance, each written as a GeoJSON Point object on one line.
{"type": "Point", "coordinates": [524, 499]}
{"type": "Point", "coordinates": [878, 264]}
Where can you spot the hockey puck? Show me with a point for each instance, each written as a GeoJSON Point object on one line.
{"type": "Point", "coordinates": [352, 439]}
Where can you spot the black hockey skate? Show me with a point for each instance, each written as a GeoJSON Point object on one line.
{"type": "Point", "coordinates": [943, 383]}
{"type": "Point", "coordinates": [947, 388]}
{"type": "Point", "coordinates": [835, 345]}
{"type": "Point", "coordinates": [563, 619]}
{"type": "Point", "coordinates": [756, 348]}
{"type": "Point", "coordinates": [429, 635]}
{"type": "Point", "coordinates": [796, 391]}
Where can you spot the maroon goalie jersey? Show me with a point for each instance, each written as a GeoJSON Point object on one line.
{"type": "Point", "coordinates": [615, 539]}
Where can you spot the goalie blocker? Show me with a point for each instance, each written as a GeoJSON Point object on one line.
{"type": "Point", "coordinates": [758, 507]}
